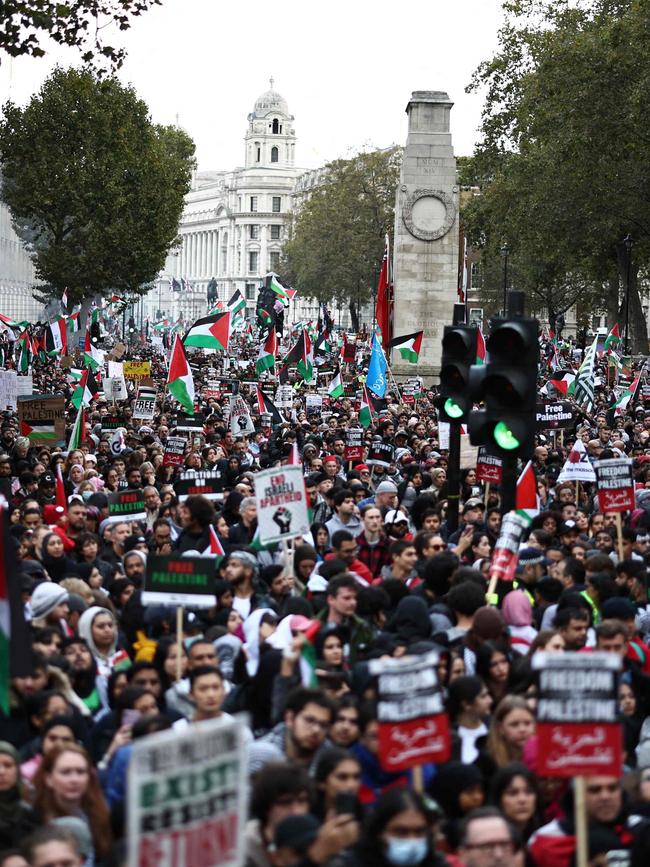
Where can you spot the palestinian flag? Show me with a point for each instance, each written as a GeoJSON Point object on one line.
{"type": "Point", "coordinates": [613, 339]}
{"type": "Point", "coordinates": [323, 345]}
{"type": "Point", "coordinates": [73, 322]}
{"type": "Point", "coordinates": [335, 388]}
{"type": "Point", "coordinates": [236, 303]}
{"type": "Point", "coordinates": [283, 374]}
{"type": "Point", "coordinates": [562, 380]}
{"type": "Point", "coordinates": [215, 548]}
{"type": "Point", "coordinates": [281, 289]}
{"type": "Point", "coordinates": [481, 352]}
{"type": "Point", "coordinates": [24, 343]}
{"type": "Point", "coordinates": [78, 434]}
{"type": "Point", "coordinates": [308, 658]}
{"type": "Point", "coordinates": [294, 457]}
{"type": "Point", "coordinates": [93, 357]}
{"type": "Point", "coordinates": [15, 654]}
{"type": "Point", "coordinates": [305, 363]}
{"type": "Point", "coordinates": [265, 318]}
{"type": "Point", "coordinates": [211, 332]}
{"type": "Point", "coordinates": [56, 338]}
{"type": "Point", "coordinates": [408, 346]}
{"type": "Point", "coordinates": [179, 379]}
{"type": "Point", "coordinates": [37, 431]}
{"type": "Point", "coordinates": [268, 350]}
{"type": "Point", "coordinates": [265, 404]}
{"type": "Point", "coordinates": [628, 395]}
{"type": "Point", "coordinates": [86, 391]}
{"type": "Point", "coordinates": [365, 413]}
{"type": "Point", "coordinates": [526, 498]}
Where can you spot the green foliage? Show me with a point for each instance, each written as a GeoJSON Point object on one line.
{"type": "Point", "coordinates": [564, 164]}
{"type": "Point", "coordinates": [26, 24]}
{"type": "Point", "coordinates": [95, 189]}
{"type": "Point", "coordinates": [336, 243]}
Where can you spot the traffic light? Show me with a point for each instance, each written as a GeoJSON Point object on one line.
{"type": "Point", "coordinates": [458, 355]}
{"type": "Point", "coordinates": [507, 385]}
{"type": "Point", "coordinates": [95, 333]}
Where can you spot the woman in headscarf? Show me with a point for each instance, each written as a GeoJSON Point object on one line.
{"type": "Point", "coordinates": [98, 627]}
{"type": "Point", "coordinates": [518, 615]}
{"type": "Point", "coordinates": [411, 622]}
{"type": "Point", "coordinates": [54, 559]}
{"type": "Point", "coordinates": [17, 819]}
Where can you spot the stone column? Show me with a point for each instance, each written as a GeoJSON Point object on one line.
{"type": "Point", "coordinates": [425, 263]}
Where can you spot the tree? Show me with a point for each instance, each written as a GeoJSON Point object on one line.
{"type": "Point", "coordinates": [25, 24]}
{"type": "Point", "coordinates": [564, 164]}
{"type": "Point", "coordinates": [336, 242]}
{"type": "Point", "coordinates": [95, 189]}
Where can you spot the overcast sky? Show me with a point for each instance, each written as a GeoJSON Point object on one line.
{"type": "Point", "coordinates": [345, 67]}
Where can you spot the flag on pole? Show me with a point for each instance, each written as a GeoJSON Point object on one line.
{"type": "Point", "coordinates": [281, 289]}
{"type": "Point", "coordinates": [61, 499]}
{"type": "Point", "coordinates": [526, 497]}
{"type": "Point", "coordinates": [93, 356]}
{"type": "Point", "coordinates": [613, 338]}
{"type": "Point", "coordinates": [268, 350]}
{"type": "Point", "coordinates": [78, 434]}
{"type": "Point", "coordinates": [64, 300]}
{"type": "Point", "coordinates": [382, 308]}
{"type": "Point", "coordinates": [628, 395]}
{"type": "Point", "coordinates": [365, 413]}
{"type": "Point", "coordinates": [236, 303]}
{"type": "Point", "coordinates": [302, 354]}
{"type": "Point", "coordinates": [86, 391]}
{"type": "Point", "coordinates": [56, 338]}
{"type": "Point", "coordinates": [180, 381]}
{"type": "Point", "coordinates": [408, 346]}
{"type": "Point", "coordinates": [210, 332]}
{"type": "Point", "coordinates": [265, 404]}
{"type": "Point", "coordinates": [376, 379]}
{"type": "Point", "coordinates": [583, 387]}
{"type": "Point", "coordinates": [562, 381]}
{"type": "Point", "coordinates": [335, 388]}
{"type": "Point", "coordinates": [216, 547]}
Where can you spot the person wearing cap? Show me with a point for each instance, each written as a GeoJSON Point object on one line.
{"type": "Point", "coordinates": [396, 525]}
{"type": "Point", "coordinates": [332, 470]}
{"type": "Point", "coordinates": [385, 496]}
{"type": "Point", "coordinates": [49, 607]}
{"type": "Point", "coordinates": [473, 514]}
{"type": "Point", "coordinates": [46, 489]}
{"type": "Point", "coordinates": [530, 568]}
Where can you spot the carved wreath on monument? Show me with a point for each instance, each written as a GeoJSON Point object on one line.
{"type": "Point", "coordinates": [419, 231]}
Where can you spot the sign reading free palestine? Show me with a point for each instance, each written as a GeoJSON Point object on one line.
{"type": "Point", "coordinates": [172, 579]}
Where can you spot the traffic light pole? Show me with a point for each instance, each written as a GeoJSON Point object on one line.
{"type": "Point", "coordinates": [453, 478]}
{"type": "Point", "coordinates": [509, 484]}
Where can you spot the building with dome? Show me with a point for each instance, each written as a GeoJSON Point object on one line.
{"type": "Point", "coordinates": [234, 222]}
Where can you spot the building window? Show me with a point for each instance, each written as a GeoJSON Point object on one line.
{"type": "Point", "coordinates": [274, 155]}
{"type": "Point", "coordinates": [238, 204]}
{"type": "Point", "coordinates": [259, 154]}
{"type": "Point", "coordinates": [276, 204]}
{"type": "Point", "coordinates": [252, 262]}
{"type": "Point", "coordinates": [275, 233]}
{"type": "Point", "coordinates": [274, 261]}
{"type": "Point", "coordinates": [253, 203]}
{"type": "Point", "coordinates": [250, 291]}
{"type": "Point", "coordinates": [276, 126]}
{"type": "Point", "coordinates": [477, 275]}
{"type": "Point", "coordinates": [254, 232]}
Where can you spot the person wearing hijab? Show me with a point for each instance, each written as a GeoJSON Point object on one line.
{"type": "Point", "coordinates": [518, 615]}
{"type": "Point", "coordinates": [98, 627]}
{"type": "Point", "coordinates": [17, 819]}
{"type": "Point", "coordinates": [54, 559]}
{"type": "Point", "coordinates": [411, 622]}
{"type": "Point", "coordinates": [457, 788]}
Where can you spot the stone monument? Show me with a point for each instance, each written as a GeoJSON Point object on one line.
{"type": "Point", "coordinates": [425, 262]}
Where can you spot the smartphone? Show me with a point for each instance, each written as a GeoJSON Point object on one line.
{"type": "Point", "coordinates": [130, 716]}
{"type": "Point", "coordinates": [345, 803]}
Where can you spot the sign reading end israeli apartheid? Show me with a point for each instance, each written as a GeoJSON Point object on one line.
{"type": "Point", "coordinates": [615, 485]}
{"type": "Point", "coordinates": [413, 725]}
{"type": "Point", "coordinates": [281, 504]}
{"type": "Point", "coordinates": [126, 505]}
{"type": "Point", "coordinates": [174, 580]}
{"type": "Point", "coordinates": [578, 730]}
{"type": "Point", "coordinates": [187, 797]}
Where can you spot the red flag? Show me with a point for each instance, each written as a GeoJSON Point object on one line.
{"type": "Point", "coordinates": [61, 499]}
{"type": "Point", "coordinates": [382, 310]}
{"type": "Point", "coordinates": [215, 545]}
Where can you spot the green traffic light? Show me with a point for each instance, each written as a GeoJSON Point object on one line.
{"type": "Point", "coordinates": [504, 437]}
{"type": "Point", "coordinates": [453, 409]}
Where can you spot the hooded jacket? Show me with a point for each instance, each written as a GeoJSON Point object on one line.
{"type": "Point", "coordinates": [106, 663]}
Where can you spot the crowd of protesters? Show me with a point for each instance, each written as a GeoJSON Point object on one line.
{"type": "Point", "coordinates": [380, 574]}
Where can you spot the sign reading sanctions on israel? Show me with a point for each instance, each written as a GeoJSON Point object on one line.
{"type": "Point", "coordinates": [187, 797]}
{"type": "Point", "coordinates": [281, 504]}
{"type": "Point", "coordinates": [578, 730]}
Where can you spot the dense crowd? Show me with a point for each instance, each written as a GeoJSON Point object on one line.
{"type": "Point", "coordinates": [380, 574]}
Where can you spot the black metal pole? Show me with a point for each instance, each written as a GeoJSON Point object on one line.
{"type": "Point", "coordinates": [509, 485]}
{"type": "Point", "coordinates": [453, 478]}
{"type": "Point", "coordinates": [628, 247]}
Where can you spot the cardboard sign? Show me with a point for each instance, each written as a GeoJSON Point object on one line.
{"type": "Point", "coordinates": [9, 389]}
{"type": "Point", "coordinates": [188, 796]}
{"type": "Point", "coordinates": [172, 579]}
{"type": "Point", "coordinates": [577, 714]}
{"type": "Point", "coordinates": [506, 550]}
{"type": "Point", "coordinates": [144, 406]}
{"type": "Point", "coordinates": [380, 454]}
{"type": "Point", "coordinates": [136, 369]}
{"type": "Point", "coordinates": [413, 725]}
{"type": "Point", "coordinates": [190, 423]}
{"type": "Point", "coordinates": [174, 452]}
{"type": "Point", "coordinates": [354, 444]}
{"type": "Point", "coordinates": [207, 483]}
{"type": "Point", "coordinates": [615, 485]}
{"type": "Point", "coordinates": [41, 419]}
{"type": "Point", "coordinates": [489, 468]}
{"type": "Point", "coordinates": [281, 504]}
{"type": "Point", "coordinates": [126, 505]}
{"type": "Point", "coordinates": [555, 415]}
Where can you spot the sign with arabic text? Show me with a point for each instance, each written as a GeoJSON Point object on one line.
{"type": "Point", "coordinates": [489, 468]}
{"type": "Point", "coordinates": [615, 485]}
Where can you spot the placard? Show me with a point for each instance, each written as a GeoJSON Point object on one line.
{"type": "Point", "coordinates": [127, 505]}
{"type": "Point", "coordinates": [354, 438]}
{"type": "Point", "coordinates": [112, 422]}
{"type": "Point", "coordinates": [489, 468]}
{"type": "Point", "coordinates": [136, 369]}
{"type": "Point", "coordinates": [241, 422]}
{"type": "Point", "coordinates": [313, 404]}
{"type": "Point", "coordinates": [555, 415]}
{"type": "Point", "coordinates": [41, 419]}
{"type": "Point", "coordinates": [281, 504]}
{"type": "Point", "coordinates": [380, 454]}
{"type": "Point", "coordinates": [615, 485]}
{"type": "Point", "coordinates": [413, 725]}
{"type": "Point", "coordinates": [190, 423]}
{"type": "Point", "coordinates": [174, 452]}
{"type": "Point", "coordinates": [578, 731]}
{"type": "Point", "coordinates": [172, 579]}
{"type": "Point", "coordinates": [115, 388]}
{"type": "Point", "coordinates": [207, 483]}
{"type": "Point", "coordinates": [577, 467]}
{"type": "Point", "coordinates": [144, 406]}
{"type": "Point", "coordinates": [506, 550]}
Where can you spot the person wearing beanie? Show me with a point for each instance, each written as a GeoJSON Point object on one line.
{"type": "Point", "coordinates": [241, 570]}
{"type": "Point", "coordinates": [17, 818]}
{"type": "Point", "coordinates": [49, 607]}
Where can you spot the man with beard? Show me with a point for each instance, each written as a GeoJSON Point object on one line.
{"type": "Point", "coordinates": [308, 714]}
{"type": "Point", "coordinates": [135, 565]}
{"type": "Point", "coordinates": [77, 516]}
{"type": "Point", "coordinates": [82, 671]}
{"type": "Point", "coordinates": [240, 571]}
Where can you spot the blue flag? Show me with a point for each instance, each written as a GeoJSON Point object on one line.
{"type": "Point", "coordinates": [376, 380]}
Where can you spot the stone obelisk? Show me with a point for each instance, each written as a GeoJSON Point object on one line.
{"type": "Point", "coordinates": [425, 262]}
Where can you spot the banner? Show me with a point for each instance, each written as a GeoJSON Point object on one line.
{"type": "Point", "coordinates": [174, 452]}
{"type": "Point", "coordinates": [506, 550]}
{"type": "Point", "coordinates": [555, 415]}
{"type": "Point", "coordinates": [41, 419]}
{"type": "Point", "coordinates": [207, 483]}
{"type": "Point", "coordinates": [127, 505]}
{"type": "Point", "coordinates": [172, 579]}
{"type": "Point", "coordinates": [413, 725]}
{"type": "Point", "coordinates": [578, 728]}
{"type": "Point", "coordinates": [489, 468]}
{"type": "Point", "coordinates": [380, 454]}
{"type": "Point", "coordinates": [281, 504]}
{"type": "Point", "coordinates": [187, 797]}
{"type": "Point", "coordinates": [615, 485]}
{"type": "Point", "coordinates": [354, 437]}
{"type": "Point", "coordinates": [144, 406]}
{"type": "Point", "coordinates": [136, 369]}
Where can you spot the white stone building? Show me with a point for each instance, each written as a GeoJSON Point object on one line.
{"type": "Point", "coordinates": [16, 274]}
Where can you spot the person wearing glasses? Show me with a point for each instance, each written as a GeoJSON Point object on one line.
{"type": "Point", "coordinates": [487, 840]}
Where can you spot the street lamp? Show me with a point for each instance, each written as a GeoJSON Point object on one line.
{"type": "Point", "coordinates": [504, 252]}
{"type": "Point", "coordinates": [628, 249]}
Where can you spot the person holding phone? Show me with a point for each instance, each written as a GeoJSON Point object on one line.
{"type": "Point", "coordinates": [338, 780]}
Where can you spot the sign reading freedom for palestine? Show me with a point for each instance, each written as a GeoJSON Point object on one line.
{"type": "Point", "coordinates": [174, 580]}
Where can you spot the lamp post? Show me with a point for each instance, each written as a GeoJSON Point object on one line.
{"type": "Point", "coordinates": [504, 252]}
{"type": "Point", "coordinates": [628, 249]}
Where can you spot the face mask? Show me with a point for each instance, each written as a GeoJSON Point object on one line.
{"type": "Point", "coordinates": [406, 853]}
{"type": "Point", "coordinates": [87, 495]}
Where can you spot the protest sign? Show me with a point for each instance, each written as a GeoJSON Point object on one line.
{"type": "Point", "coordinates": [313, 404]}
{"type": "Point", "coordinates": [9, 389]}
{"type": "Point", "coordinates": [413, 725]}
{"type": "Point", "coordinates": [187, 797]}
{"type": "Point", "coordinates": [578, 731]}
{"type": "Point", "coordinates": [112, 422]}
{"type": "Point", "coordinates": [615, 485]}
{"type": "Point", "coordinates": [284, 396]}
{"type": "Point", "coordinates": [144, 406]}
{"type": "Point", "coordinates": [173, 579]}
{"type": "Point", "coordinates": [577, 467]}
{"type": "Point", "coordinates": [489, 468]}
{"type": "Point", "coordinates": [208, 483]}
{"type": "Point", "coordinates": [354, 444]}
{"type": "Point", "coordinates": [468, 452]}
{"type": "Point", "coordinates": [506, 550]}
{"type": "Point", "coordinates": [41, 419]}
{"type": "Point", "coordinates": [136, 369]}
{"type": "Point", "coordinates": [174, 451]}
{"type": "Point", "coordinates": [240, 419]}
{"type": "Point", "coordinates": [443, 435]}
{"type": "Point", "coordinates": [380, 454]}
{"type": "Point", "coordinates": [281, 504]}
{"type": "Point", "coordinates": [127, 505]}
{"type": "Point", "coordinates": [115, 388]}
{"type": "Point", "coordinates": [190, 423]}
{"type": "Point", "coordinates": [555, 415]}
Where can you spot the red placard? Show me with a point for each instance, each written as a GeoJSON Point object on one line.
{"type": "Point", "coordinates": [615, 485]}
{"type": "Point", "coordinates": [621, 500]}
{"type": "Point", "coordinates": [415, 742]}
{"type": "Point", "coordinates": [488, 467]}
{"type": "Point", "coordinates": [580, 749]}
{"type": "Point", "coordinates": [354, 453]}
